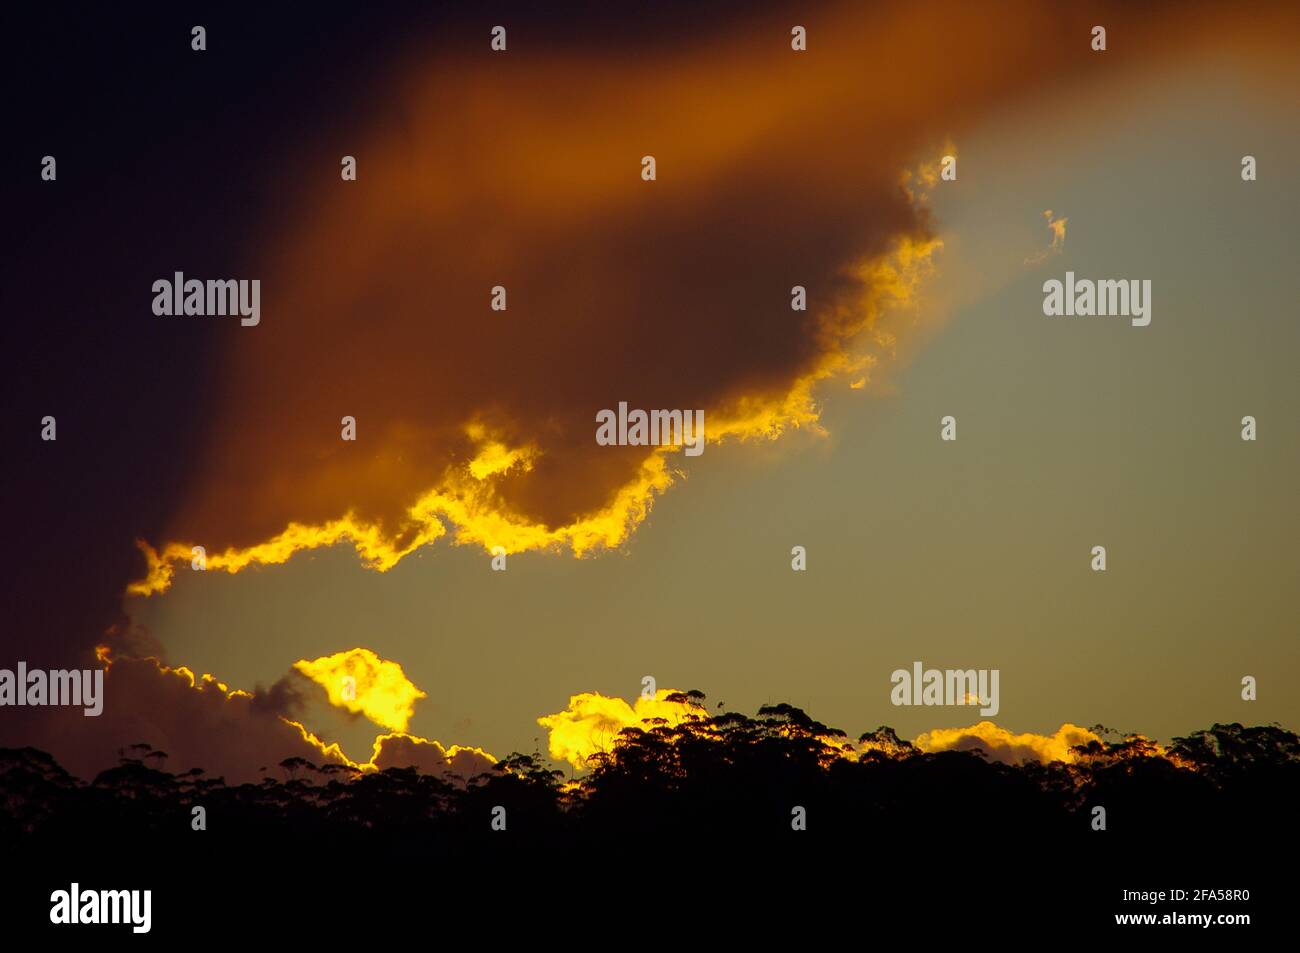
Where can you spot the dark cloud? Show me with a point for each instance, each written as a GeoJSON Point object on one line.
{"type": "Point", "coordinates": [430, 757]}
{"type": "Point", "coordinates": [227, 733]}
{"type": "Point", "coordinates": [201, 723]}
{"type": "Point", "coordinates": [287, 696]}
{"type": "Point", "coordinates": [774, 169]}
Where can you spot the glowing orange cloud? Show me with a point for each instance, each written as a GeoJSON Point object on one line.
{"type": "Point", "coordinates": [1003, 745]}
{"type": "Point", "coordinates": [467, 432]}
{"type": "Point", "coordinates": [477, 425]}
{"type": "Point", "coordinates": [361, 682]}
{"type": "Point", "coordinates": [466, 496]}
{"type": "Point", "coordinates": [208, 723]}
{"type": "Point", "coordinates": [592, 721]}
{"type": "Point", "coordinates": [217, 726]}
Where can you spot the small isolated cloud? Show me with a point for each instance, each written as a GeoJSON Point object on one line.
{"type": "Point", "coordinates": [361, 682]}
{"type": "Point", "coordinates": [1057, 227]}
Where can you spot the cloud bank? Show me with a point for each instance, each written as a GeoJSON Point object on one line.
{"type": "Point", "coordinates": [774, 169]}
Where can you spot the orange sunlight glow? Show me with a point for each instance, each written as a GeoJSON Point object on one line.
{"type": "Point", "coordinates": [361, 682]}
{"type": "Point", "coordinates": [465, 497]}
{"type": "Point", "coordinates": [383, 694]}
{"type": "Point", "coordinates": [592, 721]}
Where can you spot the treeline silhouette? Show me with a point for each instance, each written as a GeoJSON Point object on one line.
{"type": "Point", "coordinates": [727, 775]}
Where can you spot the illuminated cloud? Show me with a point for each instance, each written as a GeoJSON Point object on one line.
{"type": "Point", "coordinates": [918, 183]}
{"type": "Point", "coordinates": [363, 683]}
{"type": "Point", "coordinates": [478, 426]}
{"type": "Point", "coordinates": [524, 171]}
{"type": "Point", "coordinates": [592, 721]}
{"type": "Point", "coordinates": [201, 722]}
{"type": "Point", "coordinates": [1003, 745]}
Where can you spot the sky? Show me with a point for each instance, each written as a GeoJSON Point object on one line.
{"type": "Point", "coordinates": [773, 170]}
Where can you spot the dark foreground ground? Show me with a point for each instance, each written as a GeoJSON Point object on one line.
{"type": "Point", "coordinates": [682, 834]}
{"type": "Point", "coordinates": [976, 885]}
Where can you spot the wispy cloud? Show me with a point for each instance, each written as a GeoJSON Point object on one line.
{"type": "Point", "coordinates": [1057, 228]}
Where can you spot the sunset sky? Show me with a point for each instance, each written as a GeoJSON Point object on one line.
{"type": "Point", "coordinates": [775, 168]}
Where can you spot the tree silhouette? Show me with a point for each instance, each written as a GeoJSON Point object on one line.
{"type": "Point", "coordinates": [725, 775]}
